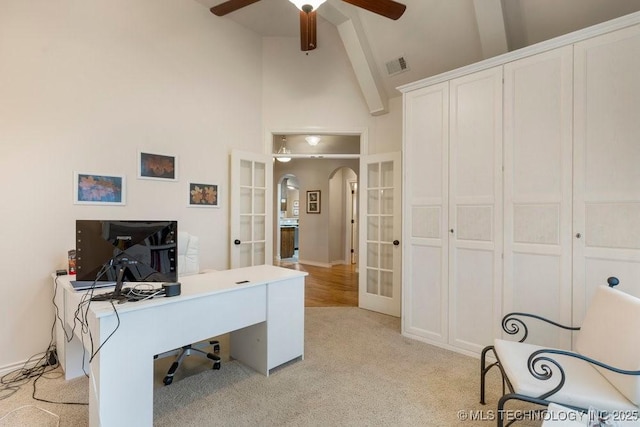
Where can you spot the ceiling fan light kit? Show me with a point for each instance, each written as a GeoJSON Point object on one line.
{"type": "Point", "coordinates": [307, 5]}
{"type": "Point", "coordinates": [388, 8]}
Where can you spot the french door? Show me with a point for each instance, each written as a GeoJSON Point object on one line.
{"type": "Point", "coordinates": [251, 209]}
{"type": "Point", "coordinates": [380, 230]}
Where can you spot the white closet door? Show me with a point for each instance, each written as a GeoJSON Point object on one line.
{"type": "Point", "coordinates": [426, 160]}
{"type": "Point", "coordinates": [538, 105]}
{"type": "Point", "coordinates": [475, 209]}
{"type": "Point", "coordinates": [606, 164]}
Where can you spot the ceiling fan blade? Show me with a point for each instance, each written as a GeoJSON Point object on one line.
{"type": "Point", "coordinates": [230, 6]}
{"type": "Point", "coordinates": [388, 8]}
{"type": "Point", "coordinates": [308, 25]}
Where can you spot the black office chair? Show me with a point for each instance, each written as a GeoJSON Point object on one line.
{"type": "Point", "coordinates": [187, 350]}
{"type": "Point", "coordinates": [188, 263]}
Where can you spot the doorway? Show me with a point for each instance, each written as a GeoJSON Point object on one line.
{"type": "Point", "coordinates": [319, 164]}
{"type": "Point", "coordinates": [288, 218]}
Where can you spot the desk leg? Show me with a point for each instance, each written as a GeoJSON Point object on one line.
{"type": "Point", "coordinates": [121, 381]}
{"type": "Point", "coordinates": [72, 357]}
{"type": "Point", "coordinates": [249, 346]}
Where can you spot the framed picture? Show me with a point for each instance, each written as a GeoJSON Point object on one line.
{"type": "Point", "coordinates": [313, 202]}
{"type": "Point", "coordinates": [98, 189]}
{"type": "Point", "coordinates": [296, 203]}
{"type": "Point", "coordinates": [162, 167]}
{"type": "Point", "coordinates": [204, 195]}
{"type": "Point", "coordinates": [296, 212]}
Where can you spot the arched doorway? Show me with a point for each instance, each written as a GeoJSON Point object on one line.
{"type": "Point", "coordinates": [343, 220]}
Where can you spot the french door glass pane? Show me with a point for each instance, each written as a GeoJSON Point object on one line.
{"type": "Point", "coordinates": [259, 229]}
{"type": "Point", "coordinates": [373, 224]}
{"type": "Point", "coordinates": [386, 174]}
{"type": "Point", "coordinates": [246, 174]}
{"type": "Point", "coordinates": [245, 200]}
{"type": "Point", "coordinates": [372, 255]}
{"type": "Point", "coordinates": [386, 205]}
{"type": "Point", "coordinates": [373, 175]}
{"type": "Point", "coordinates": [386, 229]}
{"type": "Point", "coordinates": [259, 253]}
{"type": "Point", "coordinates": [386, 256]}
{"type": "Point", "coordinates": [245, 228]}
{"type": "Point", "coordinates": [386, 284]}
{"type": "Point", "coordinates": [245, 255]}
{"type": "Point", "coordinates": [372, 281]}
{"type": "Point", "coordinates": [259, 201]}
{"type": "Point", "coordinates": [260, 175]}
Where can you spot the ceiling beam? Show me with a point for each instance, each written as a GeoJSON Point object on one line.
{"type": "Point", "coordinates": [493, 35]}
{"type": "Point", "coordinates": [359, 53]}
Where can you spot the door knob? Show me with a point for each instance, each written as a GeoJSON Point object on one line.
{"type": "Point", "coordinates": [396, 242]}
{"type": "Point", "coordinates": [236, 242]}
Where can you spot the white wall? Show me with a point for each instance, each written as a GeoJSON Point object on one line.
{"type": "Point", "coordinates": [83, 87]}
{"type": "Point", "coordinates": [319, 91]}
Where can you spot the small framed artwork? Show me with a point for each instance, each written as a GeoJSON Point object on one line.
{"type": "Point", "coordinates": [313, 202]}
{"type": "Point", "coordinates": [162, 167]}
{"type": "Point", "coordinates": [296, 212]}
{"type": "Point", "coordinates": [296, 203]}
{"type": "Point", "coordinates": [98, 189]}
{"type": "Point", "coordinates": [204, 195]}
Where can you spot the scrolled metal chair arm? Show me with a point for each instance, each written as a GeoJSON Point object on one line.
{"type": "Point", "coordinates": [542, 371]}
{"type": "Point", "coordinates": [511, 324]}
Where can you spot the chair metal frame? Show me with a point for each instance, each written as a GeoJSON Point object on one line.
{"type": "Point", "coordinates": [537, 363]}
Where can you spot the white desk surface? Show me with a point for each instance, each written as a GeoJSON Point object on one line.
{"type": "Point", "coordinates": [261, 307]}
{"type": "Point", "coordinates": [196, 286]}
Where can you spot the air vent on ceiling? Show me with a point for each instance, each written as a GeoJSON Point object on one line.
{"type": "Point", "coordinates": [397, 66]}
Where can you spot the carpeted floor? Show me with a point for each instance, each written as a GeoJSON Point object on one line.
{"type": "Point", "coordinates": [357, 371]}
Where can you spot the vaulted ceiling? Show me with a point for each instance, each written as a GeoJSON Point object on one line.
{"type": "Point", "coordinates": [433, 36]}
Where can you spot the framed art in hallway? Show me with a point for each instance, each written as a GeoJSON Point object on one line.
{"type": "Point", "coordinates": [98, 189]}
{"type": "Point", "coordinates": [204, 195]}
{"type": "Point", "coordinates": [162, 167]}
{"type": "Point", "coordinates": [313, 202]}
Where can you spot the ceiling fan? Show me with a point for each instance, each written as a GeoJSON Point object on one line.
{"type": "Point", "coordinates": [387, 8]}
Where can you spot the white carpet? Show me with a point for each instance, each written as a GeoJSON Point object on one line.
{"type": "Point", "coordinates": [357, 371]}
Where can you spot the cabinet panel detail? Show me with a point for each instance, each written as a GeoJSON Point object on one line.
{"type": "Point", "coordinates": [536, 224]}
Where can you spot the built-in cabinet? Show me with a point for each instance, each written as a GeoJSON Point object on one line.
{"type": "Point", "coordinates": [522, 188]}
{"type": "Point", "coordinates": [538, 107]}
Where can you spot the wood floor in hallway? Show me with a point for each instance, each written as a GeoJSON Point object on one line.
{"type": "Point", "coordinates": [335, 286]}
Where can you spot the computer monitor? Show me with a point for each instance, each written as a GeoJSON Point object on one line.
{"type": "Point", "coordinates": [126, 251]}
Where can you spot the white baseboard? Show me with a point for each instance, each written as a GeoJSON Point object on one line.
{"type": "Point", "coordinates": [4, 370]}
{"type": "Point", "coordinates": [315, 263]}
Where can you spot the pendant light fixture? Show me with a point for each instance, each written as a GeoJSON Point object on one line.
{"type": "Point", "coordinates": [283, 151]}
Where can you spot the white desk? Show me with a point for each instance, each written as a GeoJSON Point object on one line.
{"type": "Point", "coordinates": [265, 317]}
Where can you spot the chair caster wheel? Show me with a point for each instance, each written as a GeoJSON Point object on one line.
{"type": "Point", "coordinates": [167, 380]}
{"type": "Point", "coordinates": [216, 366]}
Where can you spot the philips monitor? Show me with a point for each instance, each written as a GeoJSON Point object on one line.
{"type": "Point", "coordinates": [116, 251]}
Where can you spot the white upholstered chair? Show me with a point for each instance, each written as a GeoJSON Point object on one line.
{"type": "Point", "coordinates": [188, 264]}
{"type": "Point", "coordinates": [603, 372]}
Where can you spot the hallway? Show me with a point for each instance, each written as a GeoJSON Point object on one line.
{"type": "Point", "coordinates": [336, 286]}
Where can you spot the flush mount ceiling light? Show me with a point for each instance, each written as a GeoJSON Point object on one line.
{"type": "Point", "coordinates": [312, 140]}
{"type": "Point", "coordinates": [283, 151]}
